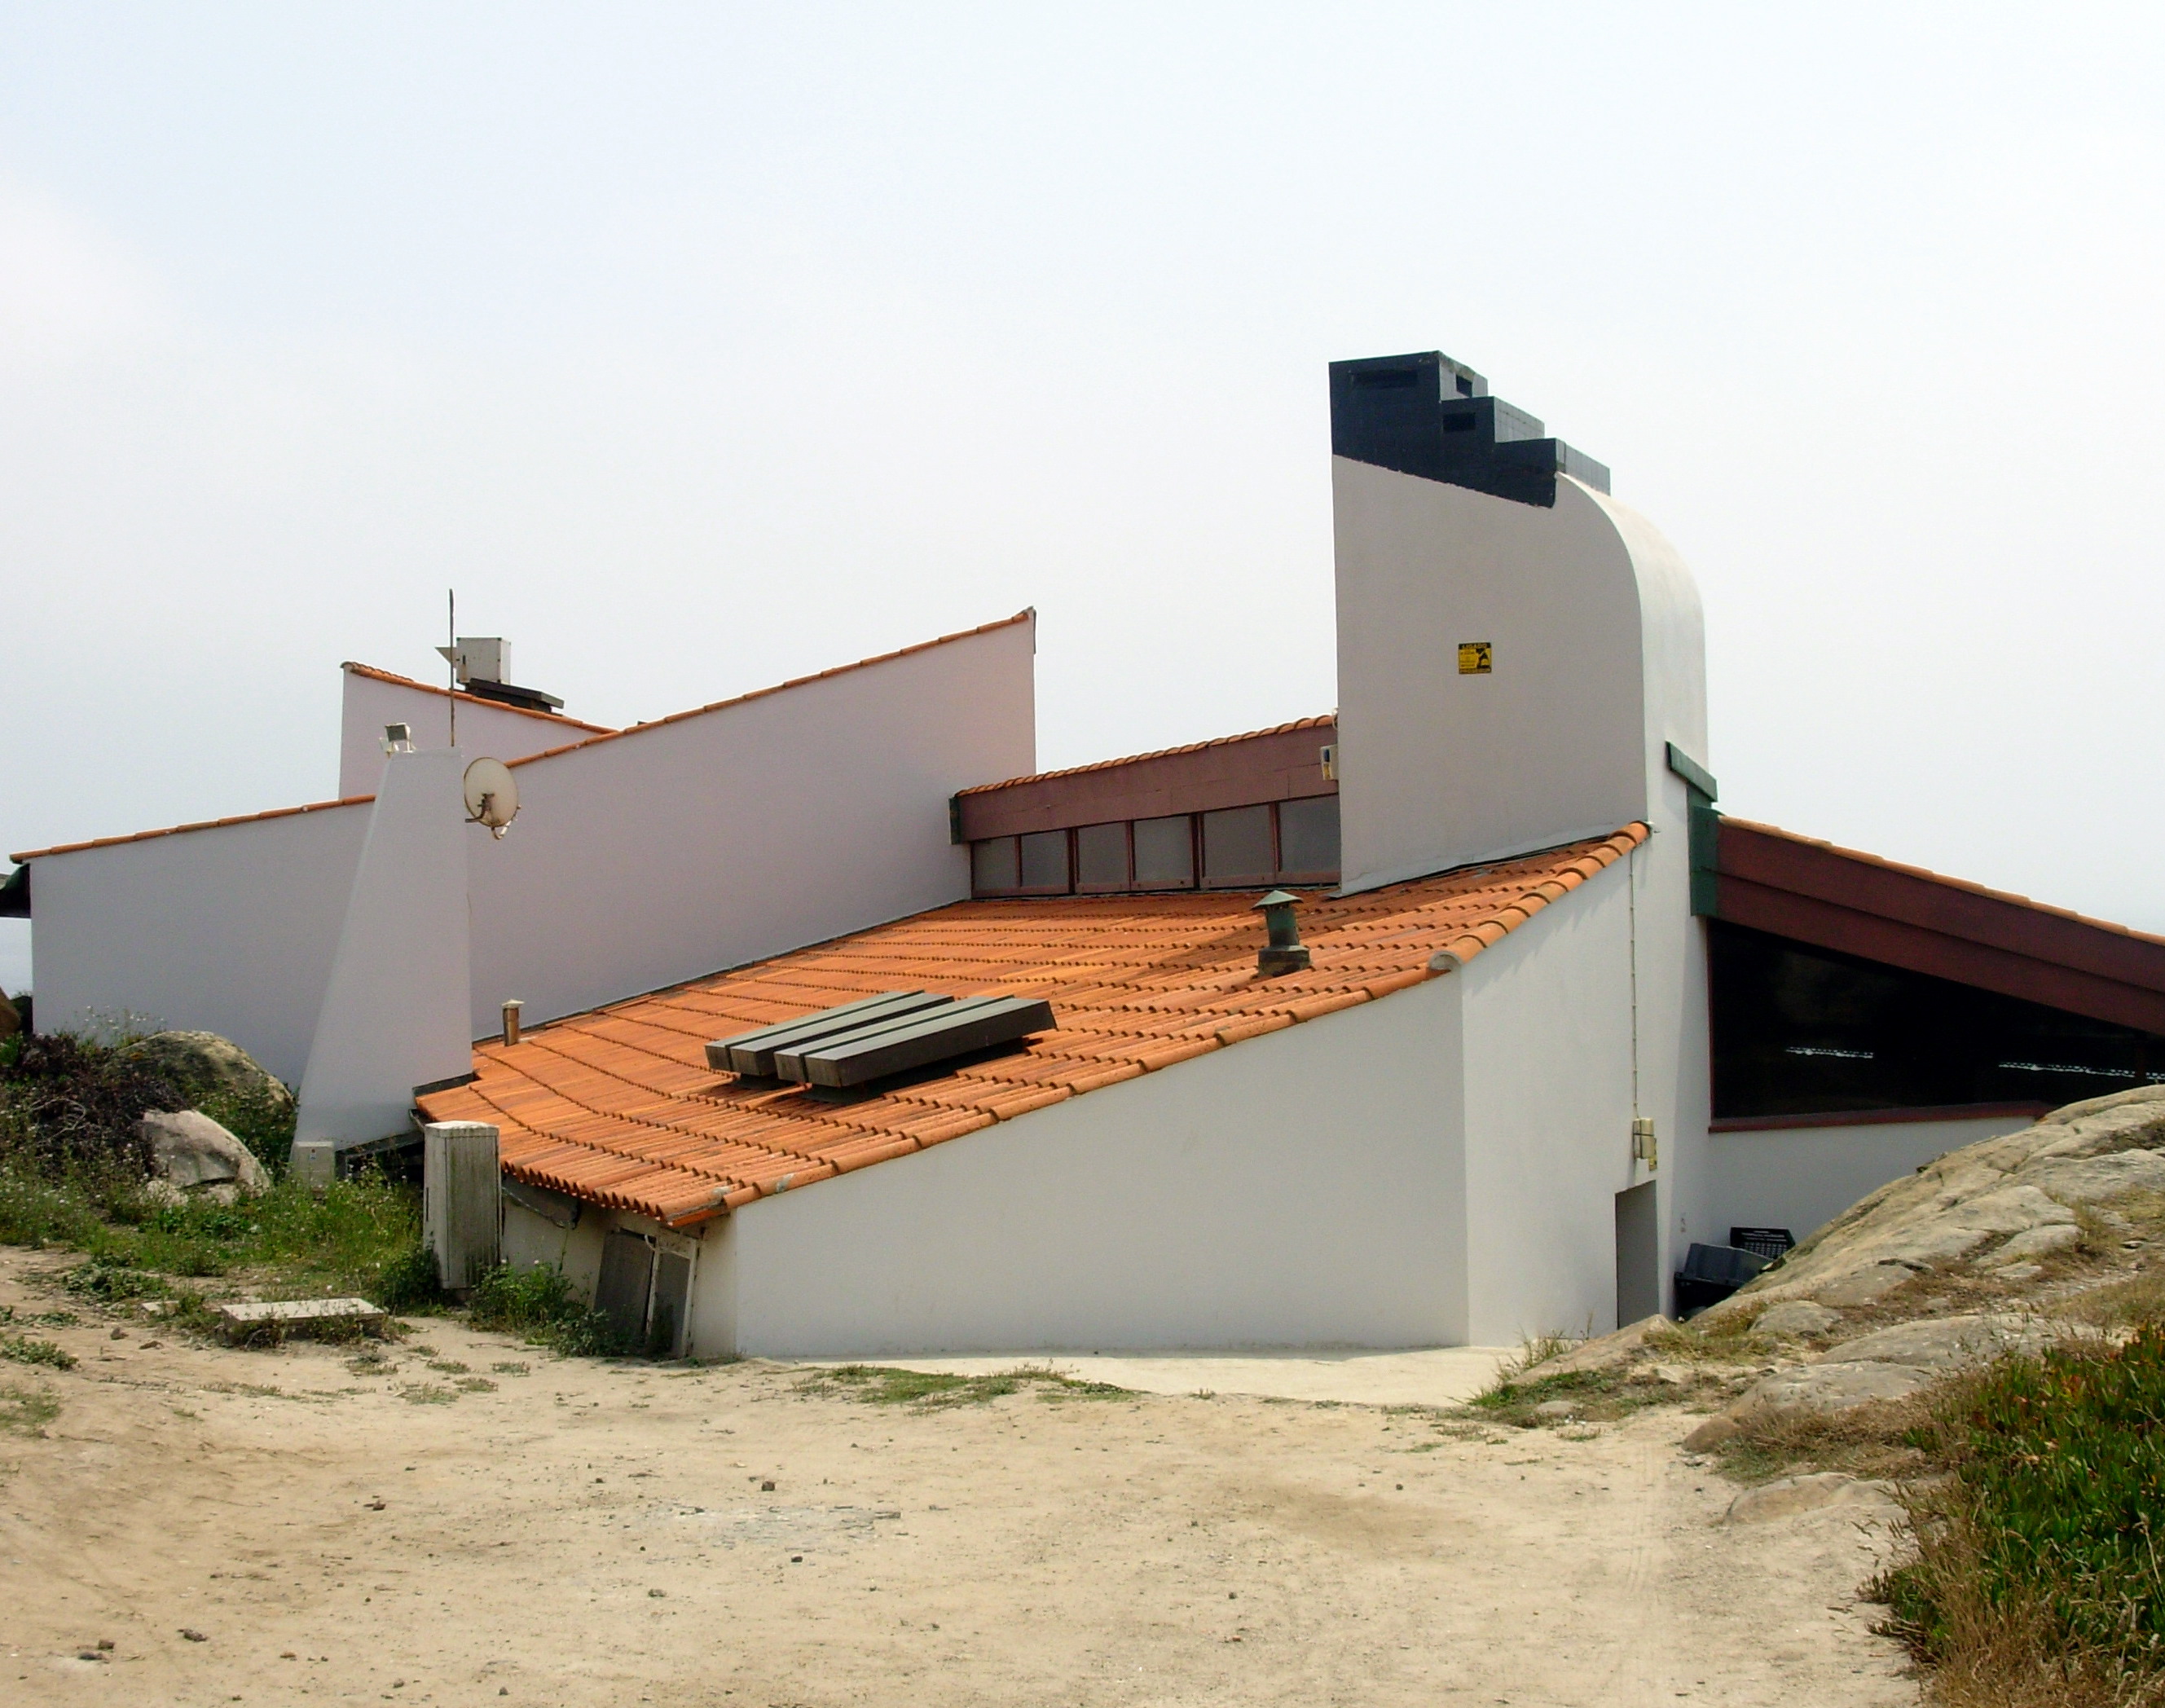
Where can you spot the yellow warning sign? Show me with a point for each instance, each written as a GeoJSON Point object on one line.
{"type": "Point", "coordinates": [1474, 657]}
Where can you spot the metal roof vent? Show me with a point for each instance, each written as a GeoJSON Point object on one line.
{"type": "Point", "coordinates": [847, 1049]}
{"type": "Point", "coordinates": [1284, 952]}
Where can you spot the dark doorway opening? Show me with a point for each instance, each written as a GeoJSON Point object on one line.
{"type": "Point", "coordinates": [1638, 1255]}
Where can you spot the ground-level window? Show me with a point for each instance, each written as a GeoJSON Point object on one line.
{"type": "Point", "coordinates": [1802, 1031]}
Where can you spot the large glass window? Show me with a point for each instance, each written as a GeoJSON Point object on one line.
{"type": "Point", "coordinates": [1101, 857]}
{"type": "Point", "coordinates": [1308, 838]}
{"type": "Point", "coordinates": [1165, 853]}
{"type": "Point", "coordinates": [993, 865]}
{"type": "Point", "coordinates": [1236, 847]}
{"type": "Point", "coordinates": [1800, 1031]}
{"type": "Point", "coordinates": [1045, 860]}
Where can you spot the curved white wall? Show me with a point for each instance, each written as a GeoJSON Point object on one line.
{"type": "Point", "coordinates": [1599, 664]}
{"type": "Point", "coordinates": [1599, 659]}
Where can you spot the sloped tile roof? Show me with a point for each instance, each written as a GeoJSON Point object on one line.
{"type": "Point", "coordinates": [618, 1106]}
{"type": "Point", "coordinates": [473, 699]}
{"type": "Point", "coordinates": [1326, 721]}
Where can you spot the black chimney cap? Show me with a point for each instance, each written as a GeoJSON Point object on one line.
{"type": "Point", "coordinates": [1425, 414]}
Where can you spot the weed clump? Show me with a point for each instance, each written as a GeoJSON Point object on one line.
{"type": "Point", "coordinates": [539, 1304]}
{"type": "Point", "coordinates": [929, 1391]}
{"type": "Point", "coordinates": [26, 1410]}
{"type": "Point", "coordinates": [23, 1350]}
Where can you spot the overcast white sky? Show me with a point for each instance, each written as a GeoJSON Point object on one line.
{"type": "Point", "coordinates": [703, 346]}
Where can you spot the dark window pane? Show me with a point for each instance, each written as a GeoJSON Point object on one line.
{"type": "Point", "coordinates": [1045, 860]}
{"type": "Point", "coordinates": [1804, 1030]}
{"type": "Point", "coordinates": [1308, 836]}
{"type": "Point", "coordinates": [1164, 856]}
{"type": "Point", "coordinates": [1101, 857]}
{"type": "Point", "coordinates": [1236, 847]}
{"type": "Point", "coordinates": [993, 865]}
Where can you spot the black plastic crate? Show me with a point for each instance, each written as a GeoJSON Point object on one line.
{"type": "Point", "coordinates": [1711, 1273]}
{"type": "Point", "coordinates": [1771, 1243]}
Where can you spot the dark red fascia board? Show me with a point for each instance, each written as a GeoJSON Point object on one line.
{"type": "Point", "coordinates": [1274, 765]}
{"type": "Point", "coordinates": [1831, 898]}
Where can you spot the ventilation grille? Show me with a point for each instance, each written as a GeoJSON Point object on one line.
{"type": "Point", "coordinates": [878, 1037]}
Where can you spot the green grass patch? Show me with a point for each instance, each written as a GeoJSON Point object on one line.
{"type": "Point", "coordinates": [926, 1391]}
{"type": "Point", "coordinates": [292, 1238]}
{"type": "Point", "coordinates": [2037, 1557]}
{"type": "Point", "coordinates": [26, 1410]}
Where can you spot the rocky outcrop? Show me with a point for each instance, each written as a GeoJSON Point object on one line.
{"type": "Point", "coordinates": [1999, 1202]}
{"type": "Point", "coordinates": [1891, 1364]}
{"type": "Point", "coordinates": [191, 1153]}
{"type": "Point", "coordinates": [202, 1064]}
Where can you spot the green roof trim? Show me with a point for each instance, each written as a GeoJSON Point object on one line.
{"type": "Point", "coordinates": [1693, 773]}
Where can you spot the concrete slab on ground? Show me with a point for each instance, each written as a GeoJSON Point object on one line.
{"type": "Point", "coordinates": [1432, 1376]}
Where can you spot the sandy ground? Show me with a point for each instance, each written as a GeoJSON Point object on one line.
{"type": "Point", "coordinates": [585, 1533]}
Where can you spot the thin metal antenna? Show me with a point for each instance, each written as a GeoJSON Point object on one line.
{"type": "Point", "coordinates": [451, 640]}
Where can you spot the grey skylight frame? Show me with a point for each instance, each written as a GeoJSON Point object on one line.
{"type": "Point", "coordinates": [752, 1053]}
{"type": "Point", "coordinates": [878, 1051]}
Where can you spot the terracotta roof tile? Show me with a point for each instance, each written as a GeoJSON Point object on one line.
{"type": "Point", "coordinates": [351, 800]}
{"type": "Point", "coordinates": [618, 1106]}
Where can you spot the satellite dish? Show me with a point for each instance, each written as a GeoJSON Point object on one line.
{"type": "Point", "coordinates": [492, 795]}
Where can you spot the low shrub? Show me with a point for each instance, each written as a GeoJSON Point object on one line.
{"type": "Point", "coordinates": [409, 1282]}
{"type": "Point", "coordinates": [77, 1103]}
{"type": "Point", "coordinates": [2037, 1569]}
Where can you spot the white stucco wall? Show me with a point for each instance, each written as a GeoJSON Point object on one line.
{"type": "Point", "coordinates": [501, 732]}
{"type": "Point", "coordinates": [1548, 1116]}
{"type": "Point", "coordinates": [229, 931]}
{"type": "Point", "coordinates": [529, 1239]}
{"type": "Point", "coordinates": [1299, 1188]}
{"type": "Point", "coordinates": [683, 847]}
{"type": "Point", "coordinates": [1802, 1177]}
{"type": "Point", "coordinates": [393, 1015]}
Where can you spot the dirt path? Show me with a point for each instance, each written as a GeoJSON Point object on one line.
{"type": "Point", "coordinates": [593, 1534]}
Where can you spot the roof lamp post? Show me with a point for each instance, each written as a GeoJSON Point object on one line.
{"type": "Point", "coordinates": [1284, 952]}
